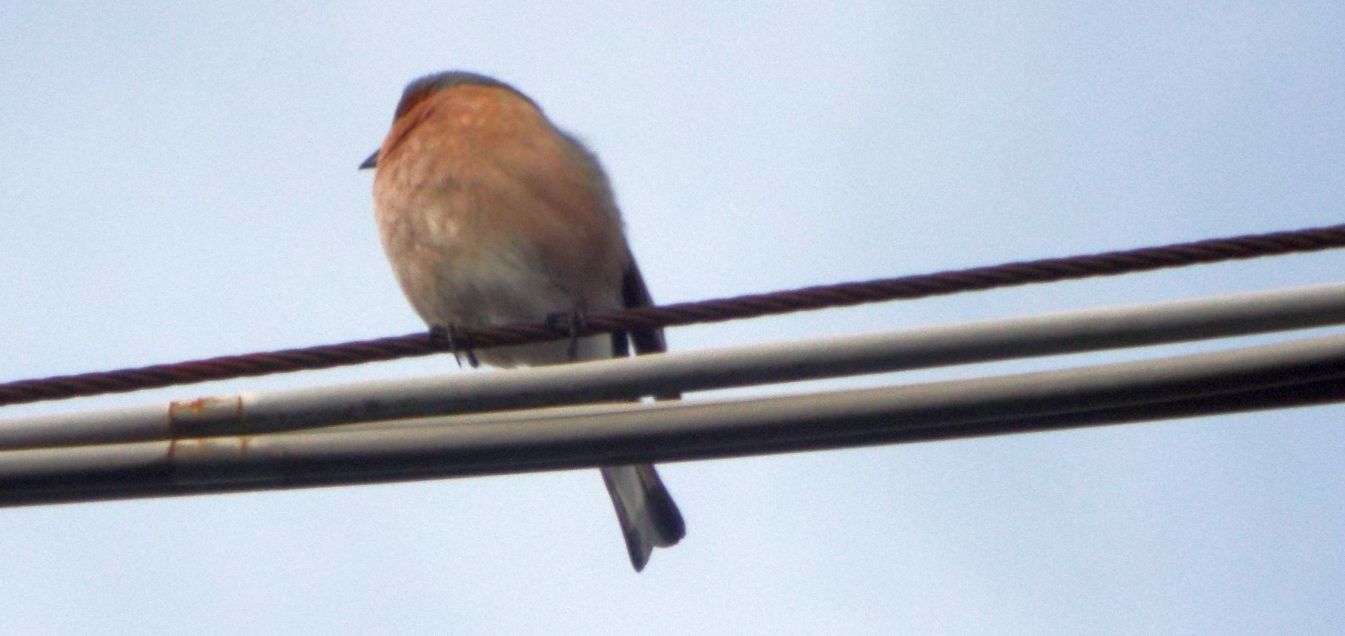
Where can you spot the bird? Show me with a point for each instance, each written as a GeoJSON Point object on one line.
{"type": "Point", "coordinates": [490, 214]}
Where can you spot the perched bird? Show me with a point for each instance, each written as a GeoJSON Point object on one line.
{"type": "Point", "coordinates": [490, 214]}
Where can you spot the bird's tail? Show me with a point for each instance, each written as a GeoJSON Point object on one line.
{"type": "Point", "coordinates": [648, 516]}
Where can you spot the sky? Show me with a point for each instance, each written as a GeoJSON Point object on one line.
{"type": "Point", "coordinates": [179, 182]}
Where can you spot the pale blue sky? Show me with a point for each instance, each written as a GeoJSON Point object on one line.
{"type": "Point", "coordinates": [179, 182]}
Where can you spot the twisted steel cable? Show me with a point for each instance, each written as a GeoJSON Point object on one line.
{"type": "Point", "coordinates": [716, 310]}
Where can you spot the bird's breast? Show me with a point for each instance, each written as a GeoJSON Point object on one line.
{"type": "Point", "coordinates": [486, 219]}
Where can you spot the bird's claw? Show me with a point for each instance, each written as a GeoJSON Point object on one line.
{"type": "Point", "coordinates": [458, 343]}
{"type": "Point", "coordinates": [570, 323]}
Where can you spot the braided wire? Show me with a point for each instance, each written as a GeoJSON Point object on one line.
{"type": "Point", "coordinates": [716, 310]}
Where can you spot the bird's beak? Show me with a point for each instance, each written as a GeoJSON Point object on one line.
{"type": "Point", "coordinates": [371, 162]}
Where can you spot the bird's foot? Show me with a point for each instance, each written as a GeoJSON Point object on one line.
{"type": "Point", "coordinates": [570, 323]}
{"type": "Point", "coordinates": [457, 342]}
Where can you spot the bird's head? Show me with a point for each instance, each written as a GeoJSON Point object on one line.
{"type": "Point", "coordinates": [425, 87]}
